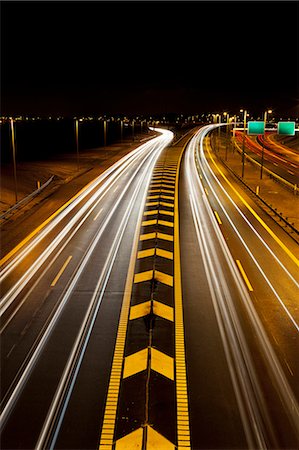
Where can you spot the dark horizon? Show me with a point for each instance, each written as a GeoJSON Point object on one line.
{"type": "Point", "coordinates": [94, 58]}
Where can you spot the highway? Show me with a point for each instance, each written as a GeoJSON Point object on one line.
{"type": "Point", "coordinates": [158, 309]}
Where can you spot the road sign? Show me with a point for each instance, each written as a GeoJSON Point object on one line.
{"type": "Point", "coordinates": [257, 127]}
{"type": "Point", "coordinates": [287, 128]}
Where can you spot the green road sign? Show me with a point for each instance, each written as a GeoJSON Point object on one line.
{"type": "Point", "coordinates": [287, 128]}
{"type": "Point", "coordinates": [256, 127]}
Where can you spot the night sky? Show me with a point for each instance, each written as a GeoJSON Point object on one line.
{"type": "Point", "coordinates": [86, 58]}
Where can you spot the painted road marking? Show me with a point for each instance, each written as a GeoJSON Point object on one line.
{"type": "Point", "coordinates": [164, 253]}
{"type": "Point", "coordinates": [145, 253]}
{"type": "Point", "coordinates": [169, 205]}
{"type": "Point", "coordinates": [166, 213]}
{"type": "Point", "coordinates": [162, 363]}
{"type": "Point", "coordinates": [107, 433]}
{"type": "Point", "coordinates": [167, 197]}
{"type": "Point", "coordinates": [165, 237]}
{"type": "Point", "coordinates": [61, 271]}
{"type": "Point", "coordinates": [147, 236]}
{"type": "Point", "coordinates": [255, 214]}
{"type": "Point", "coordinates": [141, 310]}
{"type": "Point", "coordinates": [164, 278]}
{"type": "Point", "coordinates": [165, 223]}
{"type": "Point", "coordinates": [152, 204]}
{"type": "Point", "coordinates": [143, 276]}
{"type": "Point", "coordinates": [164, 311]}
{"type": "Point", "coordinates": [153, 440]}
{"type": "Point", "coordinates": [135, 363]}
{"type": "Point", "coordinates": [180, 358]}
{"type": "Point", "coordinates": [217, 217]}
{"type": "Point", "coordinates": [248, 284]}
{"type": "Point", "coordinates": [98, 214]}
{"type": "Point", "coordinates": [150, 212]}
{"type": "Point", "coordinates": [147, 223]}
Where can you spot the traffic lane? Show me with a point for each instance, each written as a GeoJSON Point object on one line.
{"type": "Point", "coordinates": [263, 235]}
{"type": "Point", "coordinates": [27, 324]}
{"type": "Point", "coordinates": [266, 417]}
{"type": "Point", "coordinates": [214, 415]}
{"type": "Point", "coordinates": [36, 397]}
{"type": "Point", "coordinates": [68, 216]}
{"type": "Point", "coordinates": [101, 210]}
{"type": "Point", "coordinates": [247, 339]}
{"type": "Point", "coordinates": [274, 291]}
{"type": "Point", "coordinates": [84, 415]}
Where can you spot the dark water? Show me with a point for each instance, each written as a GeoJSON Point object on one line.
{"type": "Point", "coordinates": [43, 139]}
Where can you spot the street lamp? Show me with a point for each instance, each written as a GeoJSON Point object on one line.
{"type": "Point", "coordinates": [243, 142]}
{"type": "Point", "coordinates": [269, 111]}
{"type": "Point", "coordinates": [13, 143]}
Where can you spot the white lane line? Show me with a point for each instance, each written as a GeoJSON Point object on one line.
{"type": "Point", "coordinates": [98, 214]}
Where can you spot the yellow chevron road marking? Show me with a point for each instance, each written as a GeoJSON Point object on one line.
{"type": "Point", "coordinates": [165, 237]}
{"type": "Point", "coordinates": [170, 205]}
{"type": "Point", "coordinates": [141, 310]}
{"type": "Point", "coordinates": [147, 223]}
{"type": "Point", "coordinates": [165, 223]}
{"type": "Point", "coordinates": [147, 236]}
{"type": "Point", "coordinates": [143, 276]}
{"type": "Point", "coordinates": [166, 213]}
{"type": "Point", "coordinates": [145, 253]}
{"type": "Point", "coordinates": [164, 253]}
{"type": "Point", "coordinates": [135, 363]}
{"type": "Point", "coordinates": [164, 311]}
{"type": "Point", "coordinates": [150, 212]}
{"type": "Point", "coordinates": [164, 278]}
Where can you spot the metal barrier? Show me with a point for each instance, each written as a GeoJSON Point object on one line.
{"type": "Point", "coordinates": [26, 199]}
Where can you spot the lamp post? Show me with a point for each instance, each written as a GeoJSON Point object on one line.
{"type": "Point", "coordinates": [269, 111]}
{"type": "Point", "coordinates": [77, 142]}
{"type": "Point", "coordinates": [13, 144]}
{"type": "Point", "coordinates": [243, 142]}
{"type": "Point", "coordinates": [226, 138]}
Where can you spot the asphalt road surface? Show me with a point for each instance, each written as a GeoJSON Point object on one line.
{"type": "Point", "coordinates": [156, 310]}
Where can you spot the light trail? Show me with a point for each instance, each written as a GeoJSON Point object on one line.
{"type": "Point", "coordinates": [149, 159]}
{"type": "Point", "coordinates": [252, 406]}
{"type": "Point", "coordinates": [122, 167]}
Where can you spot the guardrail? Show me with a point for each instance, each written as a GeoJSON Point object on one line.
{"type": "Point", "coordinates": [26, 199]}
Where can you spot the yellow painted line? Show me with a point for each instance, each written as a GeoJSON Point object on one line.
{"type": "Point", "coordinates": [166, 213]}
{"type": "Point", "coordinates": [162, 363]}
{"type": "Point", "coordinates": [164, 253]}
{"type": "Point", "coordinates": [143, 276]}
{"type": "Point", "coordinates": [107, 433]}
{"type": "Point", "coordinates": [167, 197]}
{"type": "Point", "coordinates": [147, 223]}
{"type": "Point", "coordinates": [135, 363]}
{"type": "Point", "coordinates": [258, 218]}
{"type": "Point", "coordinates": [165, 237]}
{"type": "Point", "coordinates": [141, 310]}
{"type": "Point", "coordinates": [130, 441]}
{"type": "Point", "coordinates": [164, 311]}
{"type": "Point", "coordinates": [61, 271]}
{"type": "Point", "coordinates": [153, 191]}
{"type": "Point", "coordinates": [152, 204]}
{"type": "Point", "coordinates": [217, 217]}
{"type": "Point", "coordinates": [150, 212]}
{"type": "Point", "coordinates": [165, 223]}
{"type": "Point", "coordinates": [164, 278]}
{"type": "Point", "coordinates": [166, 191]}
{"type": "Point", "coordinates": [206, 191]}
{"type": "Point", "coordinates": [42, 225]}
{"type": "Point", "coordinates": [145, 253]}
{"type": "Point", "coordinates": [169, 205]}
{"type": "Point", "coordinates": [98, 214]}
{"type": "Point", "coordinates": [153, 197]}
{"type": "Point", "coordinates": [147, 236]}
{"type": "Point", "coordinates": [155, 441]}
{"type": "Point", "coordinates": [180, 357]}
{"type": "Point", "coordinates": [250, 288]}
